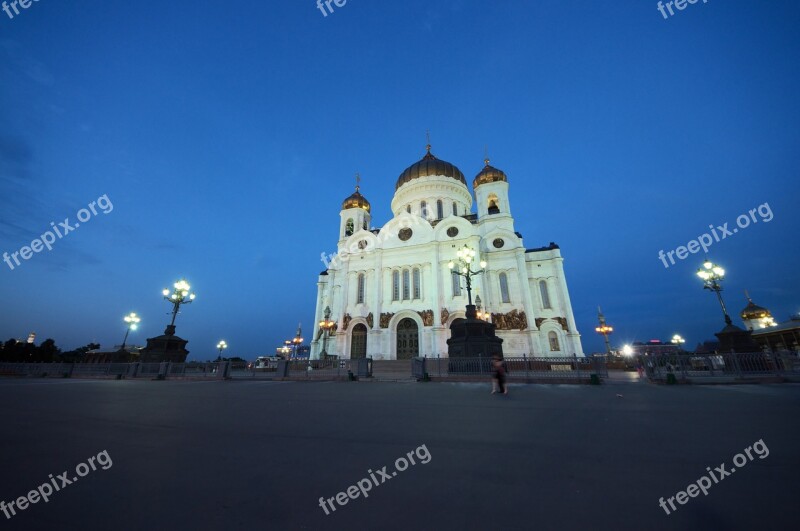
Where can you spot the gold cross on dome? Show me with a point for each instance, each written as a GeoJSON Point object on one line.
{"type": "Point", "coordinates": [358, 181]}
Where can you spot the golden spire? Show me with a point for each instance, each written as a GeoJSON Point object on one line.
{"type": "Point", "coordinates": [428, 137]}
{"type": "Point", "coordinates": [358, 181]}
{"type": "Point", "coordinates": [486, 154]}
{"type": "Point", "coordinates": [746, 294]}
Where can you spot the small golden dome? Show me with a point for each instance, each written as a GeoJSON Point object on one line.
{"type": "Point", "coordinates": [427, 167]}
{"type": "Point", "coordinates": [754, 311]}
{"type": "Point", "coordinates": [356, 201]}
{"type": "Point", "coordinates": [489, 174]}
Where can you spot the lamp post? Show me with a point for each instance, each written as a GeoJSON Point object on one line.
{"type": "Point", "coordinates": [466, 256]}
{"type": "Point", "coordinates": [287, 348]}
{"type": "Point", "coordinates": [297, 340]}
{"type": "Point", "coordinates": [712, 275]}
{"type": "Point", "coordinates": [222, 345]}
{"type": "Point", "coordinates": [181, 294]}
{"type": "Point", "coordinates": [604, 330]}
{"type": "Point", "coordinates": [326, 325]}
{"type": "Point", "coordinates": [482, 315]}
{"type": "Point", "coordinates": [133, 323]}
{"type": "Point", "coordinates": [677, 340]}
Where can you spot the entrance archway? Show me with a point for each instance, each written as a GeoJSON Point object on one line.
{"type": "Point", "coordinates": [358, 342]}
{"type": "Point", "coordinates": [407, 339]}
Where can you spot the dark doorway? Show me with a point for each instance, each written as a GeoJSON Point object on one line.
{"type": "Point", "coordinates": [358, 342]}
{"type": "Point", "coordinates": [407, 339]}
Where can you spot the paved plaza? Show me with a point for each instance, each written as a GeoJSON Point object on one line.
{"type": "Point", "coordinates": [259, 455]}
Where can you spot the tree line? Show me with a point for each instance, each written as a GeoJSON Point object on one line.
{"type": "Point", "coordinates": [14, 351]}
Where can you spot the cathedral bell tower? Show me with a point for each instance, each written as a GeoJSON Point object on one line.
{"type": "Point", "coordinates": [355, 214]}
{"type": "Point", "coordinates": [491, 192]}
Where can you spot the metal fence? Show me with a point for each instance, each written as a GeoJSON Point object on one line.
{"type": "Point", "coordinates": [523, 368]}
{"type": "Point", "coordinates": [161, 371]}
{"type": "Point", "coordinates": [733, 366]}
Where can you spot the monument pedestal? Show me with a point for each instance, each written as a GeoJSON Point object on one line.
{"type": "Point", "coordinates": [168, 347]}
{"type": "Point", "coordinates": [473, 338]}
{"type": "Point", "coordinates": [733, 338]}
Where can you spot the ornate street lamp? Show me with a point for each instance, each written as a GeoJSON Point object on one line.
{"type": "Point", "coordinates": [466, 256]}
{"type": "Point", "coordinates": [297, 340]}
{"type": "Point", "coordinates": [222, 345]}
{"type": "Point", "coordinates": [677, 340]}
{"type": "Point", "coordinates": [181, 294]}
{"type": "Point", "coordinates": [712, 275]}
{"type": "Point", "coordinates": [326, 325]}
{"type": "Point", "coordinates": [604, 330]}
{"type": "Point", "coordinates": [133, 321]}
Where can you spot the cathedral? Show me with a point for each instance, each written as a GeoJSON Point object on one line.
{"type": "Point", "coordinates": [389, 294]}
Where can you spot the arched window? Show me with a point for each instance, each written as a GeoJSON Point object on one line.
{"type": "Point", "coordinates": [366, 225]}
{"type": "Point", "coordinates": [423, 209]}
{"type": "Point", "coordinates": [417, 288]}
{"type": "Point", "coordinates": [349, 227]}
{"type": "Point", "coordinates": [395, 285]}
{"type": "Point", "coordinates": [360, 296]}
{"type": "Point", "coordinates": [553, 339]}
{"type": "Point", "coordinates": [494, 205]}
{"type": "Point", "coordinates": [545, 294]}
{"type": "Point", "coordinates": [456, 281]}
{"type": "Point", "coordinates": [408, 209]}
{"type": "Point", "coordinates": [455, 208]}
{"type": "Point", "coordinates": [406, 285]}
{"type": "Point", "coordinates": [504, 288]}
{"type": "Point", "coordinates": [439, 209]}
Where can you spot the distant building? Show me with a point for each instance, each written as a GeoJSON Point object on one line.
{"type": "Point", "coordinates": [112, 355]}
{"type": "Point", "coordinates": [768, 334]}
{"type": "Point", "coordinates": [654, 346]}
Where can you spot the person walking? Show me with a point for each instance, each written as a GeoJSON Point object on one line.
{"type": "Point", "coordinates": [499, 375]}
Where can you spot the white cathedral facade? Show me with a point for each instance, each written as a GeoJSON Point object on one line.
{"type": "Point", "coordinates": [391, 294]}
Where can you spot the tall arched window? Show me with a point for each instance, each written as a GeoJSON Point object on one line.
{"type": "Point", "coordinates": [408, 209]}
{"type": "Point", "coordinates": [348, 228]}
{"type": "Point", "coordinates": [455, 208]}
{"type": "Point", "coordinates": [439, 209]}
{"type": "Point", "coordinates": [417, 288]}
{"type": "Point", "coordinates": [553, 339]}
{"type": "Point", "coordinates": [423, 209]}
{"type": "Point", "coordinates": [406, 285]}
{"type": "Point", "coordinates": [456, 280]}
{"type": "Point", "coordinates": [504, 288]}
{"type": "Point", "coordinates": [545, 294]}
{"type": "Point", "coordinates": [360, 295]}
{"type": "Point", "coordinates": [395, 285]}
{"type": "Point", "coordinates": [366, 225]}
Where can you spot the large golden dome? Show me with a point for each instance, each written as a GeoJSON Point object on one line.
{"type": "Point", "coordinates": [427, 167]}
{"type": "Point", "coordinates": [489, 175]}
{"type": "Point", "coordinates": [356, 201]}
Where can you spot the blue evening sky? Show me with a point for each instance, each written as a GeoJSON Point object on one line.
{"type": "Point", "coordinates": [226, 135]}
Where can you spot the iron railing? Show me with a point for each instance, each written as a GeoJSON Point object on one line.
{"type": "Point", "coordinates": [716, 366]}
{"type": "Point", "coordinates": [522, 368]}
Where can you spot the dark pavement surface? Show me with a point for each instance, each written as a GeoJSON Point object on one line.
{"type": "Point", "coordinates": [259, 455]}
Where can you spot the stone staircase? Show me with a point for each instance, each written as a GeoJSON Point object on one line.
{"type": "Point", "coordinates": [392, 371]}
